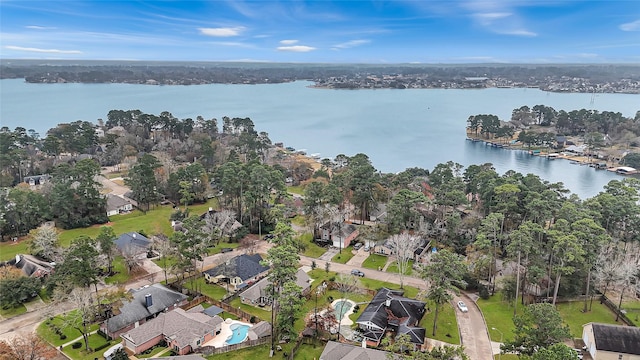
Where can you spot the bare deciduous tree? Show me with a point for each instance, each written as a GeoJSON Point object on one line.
{"type": "Point", "coordinates": [26, 347]}
{"type": "Point", "coordinates": [404, 246]}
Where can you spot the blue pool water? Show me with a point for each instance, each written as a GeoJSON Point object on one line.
{"type": "Point", "coordinates": [342, 307]}
{"type": "Point", "coordinates": [239, 333]}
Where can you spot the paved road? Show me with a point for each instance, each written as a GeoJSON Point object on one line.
{"type": "Point", "coordinates": [473, 330]}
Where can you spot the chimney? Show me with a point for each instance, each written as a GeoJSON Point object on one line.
{"type": "Point", "coordinates": [148, 301]}
{"type": "Point", "coordinates": [387, 303]}
{"type": "Point", "coordinates": [134, 235]}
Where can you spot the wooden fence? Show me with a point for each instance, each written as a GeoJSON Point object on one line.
{"type": "Point", "coordinates": [210, 350]}
{"type": "Point", "coordinates": [621, 315]}
{"type": "Point", "coordinates": [243, 315]}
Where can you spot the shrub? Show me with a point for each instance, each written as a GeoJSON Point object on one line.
{"type": "Point", "coordinates": [76, 345]}
{"type": "Point", "coordinates": [483, 292]}
{"type": "Point", "coordinates": [63, 337]}
{"type": "Point", "coordinates": [98, 348]}
{"type": "Point", "coordinates": [253, 319]}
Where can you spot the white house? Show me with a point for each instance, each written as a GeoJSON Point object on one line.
{"type": "Point", "coordinates": [117, 205]}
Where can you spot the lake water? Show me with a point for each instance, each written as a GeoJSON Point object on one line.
{"type": "Point", "coordinates": [395, 128]}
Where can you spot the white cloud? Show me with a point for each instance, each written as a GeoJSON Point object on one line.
{"type": "Point", "coordinates": [488, 18]}
{"type": "Point", "coordinates": [288, 42]}
{"type": "Point", "coordinates": [48, 51]}
{"type": "Point", "coordinates": [222, 32]}
{"type": "Point", "coordinates": [631, 26]}
{"type": "Point", "coordinates": [234, 44]}
{"type": "Point", "coordinates": [522, 32]}
{"type": "Point", "coordinates": [296, 48]}
{"type": "Point", "coordinates": [36, 27]}
{"type": "Point", "coordinates": [352, 43]}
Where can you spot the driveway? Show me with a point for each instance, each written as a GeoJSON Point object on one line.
{"type": "Point", "coordinates": [473, 330]}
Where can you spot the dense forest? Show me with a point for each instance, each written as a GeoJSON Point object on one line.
{"type": "Point", "coordinates": [574, 78]}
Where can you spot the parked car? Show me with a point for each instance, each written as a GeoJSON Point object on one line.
{"type": "Point", "coordinates": [357, 246]}
{"type": "Point", "coordinates": [357, 272]}
{"type": "Point", "coordinates": [226, 250]}
{"type": "Point", "coordinates": [367, 248]}
{"type": "Point", "coordinates": [462, 306]}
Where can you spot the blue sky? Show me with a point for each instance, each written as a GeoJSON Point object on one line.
{"type": "Point", "coordinates": [358, 31]}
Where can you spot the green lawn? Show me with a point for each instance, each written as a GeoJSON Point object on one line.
{"type": "Point", "coordinates": [374, 261]}
{"type": "Point", "coordinates": [498, 314]}
{"type": "Point", "coordinates": [47, 332]}
{"type": "Point", "coordinates": [258, 352]}
{"type": "Point", "coordinates": [409, 291]}
{"type": "Point", "coordinates": [13, 311]}
{"type": "Point", "coordinates": [393, 268]}
{"type": "Point", "coordinates": [263, 313]}
{"type": "Point", "coordinates": [573, 316]}
{"type": "Point", "coordinates": [218, 248]}
{"type": "Point", "coordinates": [213, 291]}
{"type": "Point", "coordinates": [344, 256]}
{"type": "Point", "coordinates": [633, 311]}
{"type": "Point", "coordinates": [299, 190]}
{"type": "Point", "coordinates": [9, 249]}
{"type": "Point", "coordinates": [121, 276]}
{"type": "Point", "coordinates": [155, 350]}
{"type": "Point", "coordinates": [311, 249]}
{"type": "Point", "coordinates": [95, 341]}
{"type": "Point", "coordinates": [447, 329]}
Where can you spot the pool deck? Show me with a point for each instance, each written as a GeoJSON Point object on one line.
{"type": "Point", "coordinates": [220, 339]}
{"type": "Point", "coordinates": [345, 317]}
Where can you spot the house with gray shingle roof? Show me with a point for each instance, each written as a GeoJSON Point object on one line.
{"type": "Point", "coordinates": [338, 351]}
{"type": "Point", "coordinates": [390, 310]}
{"type": "Point", "coordinates": [257, 293]}
{"type": "Point", "coordinates": [237, 272]}
{"type": "Point", "coordinates": [146, 303]}
{"type": "Point", "coordinates": [606, 341]}
{"type": "Point", "coordinates": [183, 331]}
{"type": "Point", "coordinates": [117, 205]}
{"type": "Point", "coordinates": [133, 244]}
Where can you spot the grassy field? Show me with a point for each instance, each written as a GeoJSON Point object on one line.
{"type": "Point", "coordinates": [573, 316]}
{"type": "Point", "coordinates": [299, 190]}
{"type": "Point", "coordinates": [374, 261]}
{"type": "Point", "coordinates": [154, 221]}
{"type": "Point", "coordinates": [122, 275]}
{"type": "Point", "coordinates": [633, 311]}
{"type": "Point", "coordinates": [447, 330]}
{"type": "Point", "coordinates": [262, 313]}
{"type": "Point", "coordinates": [95, 341]}
{"type": "Point", "coordinates": [344, 256]}
{"type": "Point", "coordinates": [311, 249]}
{"type": "Point", "coordinates": [211, 290]}
{"type": "Point", "coordinates": [393, 268]}
{"type": "Point", "coordinates": [499, 315]}
{"type": "Point", "coordinates": [13, 311]}
{"type": "Point", "coordinates": [47, 332]}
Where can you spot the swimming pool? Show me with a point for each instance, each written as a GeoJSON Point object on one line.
{"type": "Point", "coordinates": [342, 307]}
{"type": "Point", "coordinates": [238, 333]}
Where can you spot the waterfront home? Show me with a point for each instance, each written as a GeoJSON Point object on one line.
{"type": "Point", "coordinates": [182, 331]}
{"type": "Point", "coordinates": [611, 342]}
{"type": "Point", "coordinates": [146, 303]}
{"type": "Point", "coordinates": [237, 272]}
{"type": "Point", "coordinates": [389, 310]}
{"type": "Point", "coordinates": [31, 266]}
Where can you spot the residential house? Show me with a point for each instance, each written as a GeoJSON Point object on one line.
{"type": "Point", "coordinates": [133, 244]}
{"type": "Point", "coordinates": [117, 205]}
{"type": "Point", "coordinates": [257, 294]}
{"type": "Point", "coordinates": [387, 247]}
{"type": "Point", "coordinates": [37, 180]}
{"type": "Point", "coordinates": [146, 303]}
{"type": "Point", "coordinates": [237, 272]}
{"type": "Point", "coordinates": [379, 214]}
{"type": "Point", "coordinates": [338, 351]}
{"type": "Point", "coordinates": [389, 310]}
{"type": "Point", "coordinates": [338, 234]}
{"type": "Point", "coordinates": [183, 331]}
{"type": "Point", "coordinates": [611, 342]}
{"type": "Point", "coordinates": [30, 265]}
{"type": "Point", "coordinates": [227, 225]}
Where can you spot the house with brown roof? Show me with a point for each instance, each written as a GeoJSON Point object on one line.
{"type": "Point", "coordinates": [31, 266]}
{"type": "Point", "coordinates": [183, 331]}
{"type": "Point", "coordinates": [611, 342]}
{"type": "Point", "coordinates": [339, 234]}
